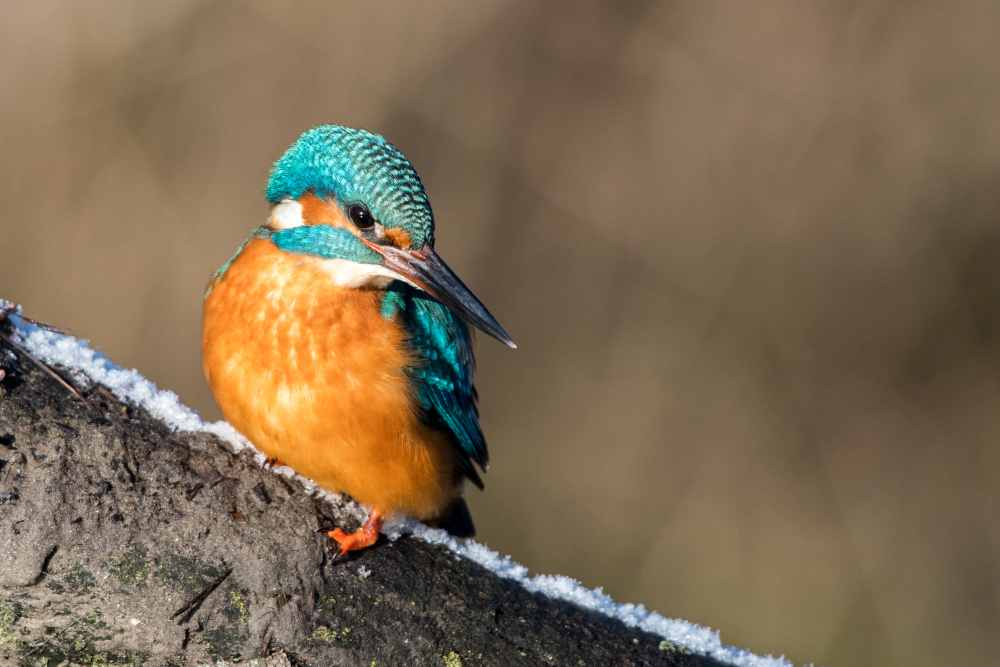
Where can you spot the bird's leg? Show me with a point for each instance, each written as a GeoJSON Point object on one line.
{"type": "Point", "coordinates": [272, 462]}
{"type": "Point", "coordinates": [365, 537]}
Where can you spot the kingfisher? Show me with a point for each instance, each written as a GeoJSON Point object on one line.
{"type": "Point", "coordinates": [338, 342]}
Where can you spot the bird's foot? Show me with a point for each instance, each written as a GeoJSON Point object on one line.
{"type": "Point", "coordinates": [272, 462]}
{"type": "Point", "coordinates": [365, 537]}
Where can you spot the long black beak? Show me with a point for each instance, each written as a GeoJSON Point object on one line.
{"type": "Point", "coordinates": [427, 271]}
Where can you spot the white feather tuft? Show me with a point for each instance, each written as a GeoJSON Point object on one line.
{"type": "Point", "coordinates": [353, 275]}
{"type": "Point", "coordinates": [286, 215]}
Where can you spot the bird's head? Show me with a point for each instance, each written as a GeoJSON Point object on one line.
{"type": "Point", "coordinates": [349, 197]}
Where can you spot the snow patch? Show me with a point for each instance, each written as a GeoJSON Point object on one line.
{"type": "Point", "coordinates": [86, 363]}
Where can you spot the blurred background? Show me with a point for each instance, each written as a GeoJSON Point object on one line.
{"type": "Point", "coordinates": [750, 253]}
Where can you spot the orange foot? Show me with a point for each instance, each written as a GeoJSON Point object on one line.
{"type": "Point", "coordinates": [365, 537]}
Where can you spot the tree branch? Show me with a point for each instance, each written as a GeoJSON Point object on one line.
{"type": "Point", "coordinates": [121, 543]}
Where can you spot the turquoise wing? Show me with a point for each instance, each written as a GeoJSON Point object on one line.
{"type": "Point", "coordinates": [443, 376]}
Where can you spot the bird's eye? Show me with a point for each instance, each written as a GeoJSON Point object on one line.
{"type": "Point", "coordinates": [361, 216]}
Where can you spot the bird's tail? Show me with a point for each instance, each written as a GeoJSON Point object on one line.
{"type": "Point", "coordinates": [455, 519]}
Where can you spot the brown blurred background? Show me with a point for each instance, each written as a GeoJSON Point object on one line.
{"type": "Point", "coordinates": [750, 253]}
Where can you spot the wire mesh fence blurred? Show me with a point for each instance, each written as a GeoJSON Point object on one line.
{"type": "Point", "coordinates": [750, 254]}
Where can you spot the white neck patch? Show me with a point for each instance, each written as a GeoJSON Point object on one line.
{"type": "Point", "coordinates": [353, 275]}
{"type": "Point", "coordinates": [286, 215]}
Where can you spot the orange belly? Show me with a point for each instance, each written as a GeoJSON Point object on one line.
{"type": "Point", "coordinates": [313, 375]}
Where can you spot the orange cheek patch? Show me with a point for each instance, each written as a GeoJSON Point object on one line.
{"type": "Point", "coordinates": [316, 211]}
{"type": "Point", "coordinates": [398, 237]}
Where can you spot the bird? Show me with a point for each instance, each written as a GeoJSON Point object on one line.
{"type": "Point", "coordinates": [338, 342]}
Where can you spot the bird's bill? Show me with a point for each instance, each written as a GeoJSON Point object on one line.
{"type": "Point", "coordinates": [427, 271]}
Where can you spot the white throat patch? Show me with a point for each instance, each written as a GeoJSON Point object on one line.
{"type": "Point", "coordinates": [353, 275]}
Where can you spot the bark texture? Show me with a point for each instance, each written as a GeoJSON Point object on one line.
{"type": "Point", "coordinates": [122, 542]}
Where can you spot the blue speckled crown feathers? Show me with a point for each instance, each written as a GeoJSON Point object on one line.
{"type": "Point", "coordinates": [356, 167]}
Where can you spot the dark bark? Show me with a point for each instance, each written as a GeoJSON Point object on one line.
{"type": "Point", "coordinates": [123, 542]}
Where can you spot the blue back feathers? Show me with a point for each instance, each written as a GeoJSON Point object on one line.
{"type": "Point", "coordinates": [443, 378]}
{"type": "Point", "coordinates": [355, 167]}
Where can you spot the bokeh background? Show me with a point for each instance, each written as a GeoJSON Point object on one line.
{"type": "Point", "coordinates": [750, 253]}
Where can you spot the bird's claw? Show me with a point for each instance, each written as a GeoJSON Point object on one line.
{"type": "Point", "coordinates": [353, 541]}
{"type": "Point", "coordinates": [272, 462]}
{"type": "Point", "coordinates": [366, 536]}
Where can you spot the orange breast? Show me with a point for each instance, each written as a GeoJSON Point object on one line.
{"type": "Point", "coordinates": [313, 375]}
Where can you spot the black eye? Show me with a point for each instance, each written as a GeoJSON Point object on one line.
{"type": "Point", "coordinates": [361, 216]}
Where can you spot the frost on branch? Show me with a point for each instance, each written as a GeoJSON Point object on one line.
{"type": "Point", "coordinates": [131, 532]}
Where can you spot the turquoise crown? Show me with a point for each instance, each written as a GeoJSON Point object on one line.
{"type": "Point", "coordinates": [355, 167]}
